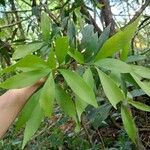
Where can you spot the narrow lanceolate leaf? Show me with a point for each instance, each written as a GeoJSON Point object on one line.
{"type": "Point", "coordinates": [26, 65]}
{"type": "Point", "coordinates": [71, 32]}
{"type": "Point", "coordinates": [33, 124]}
{"type": "Point", "coordinates": [45, 26]}
{"type": "Point", "coordinates": [145, 86]}
{"type": "Point", "coordinates": [65, 102]}
{"type": "Point", "coordinates": [79, 86]}
{"type": "Point", "coordinates": [114, 65]}
{"type": "Point", "coordinates": [89, 42]}
{"type": "Point", "coordinates": [112, 91]}
{"type": "Point", "coordinates": [47, 96]}
{"type": "Point", "coordinates": [52, 59]}
{"type": "Point", "coordinates": [88, 78]}
{"type": "Point", "coordinates": [120, 41]}
{"type": "Point", "coordinates": [80, 106]}
{"type": "Point", "coordinates": [139, 105]}
{"type": "Point", "coordinates": [24, 50]}
{"type": "Point", "coordinates": [103, 37]}
{"type": "Point", "coordinates": [142, 71]}
{"type": "Point", "coordinates": [26, 112]}
{"type": "Point", "coordinates": [62, 45]}
{"type": "Point", "coordinates": [129, 124]}
{"type": "Point", "coordinates": [24, 79]}
{"type": "Point", "coordinates": [77, 56]}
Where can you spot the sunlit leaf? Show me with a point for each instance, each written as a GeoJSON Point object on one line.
{"type": "Point", "coordinates": [52, 59]}
{"type": "Point", "coordinates": [114, 64]}
{"type": "Point", "coordinates": [62, 46]}
{"type": "Point", "coordinates": [79, 86]}
{"type": "Point", "coordinates": [139, 105]}
{"type": "Point", "coordinates": [112, 91]}
{"type": "Point", "coordinates": [145, 86]}
{"type": "Point", "coordinates": [128, 123]}
{"type": "Point", "coordinates": [142, 71]}
{"type": "Point", "coordinates": [26, 65]}
{"type": "Point", "coordinates": [24, 79]}
{"type": "Point", "coordinates": [120, 41]}
{"type": "Point", "coordinates": [33, 124]}
{"type": "Point", "coordinates": [45, 26]}
{"type": "Point", "coordinates": [26, 112]}
{"type": "Point", "coordinates": [24, 50]}
{"type": "Point", "coordinates": [88, 78]}
{"type": "Point", "coordinates": [48, 95]}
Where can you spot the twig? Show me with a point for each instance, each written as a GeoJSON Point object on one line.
{"type": "Point", "coordinates": [138, 13]}
{"type": "Point", "coordinates": [144, 129]}
{"type": "Point", "coordinates": [86, 132]}
{"type": "Point", "coordinates": [27, 3]}
{"type": "Point", "coordinates": [15, 23]}
{"type": "Point", "coordinates": [90, 19]}
{"type": "Point", "coordinates": [18, 11]}
{"type": "Point", "coordinates": [141, 26]}
{"type": "Point", "coordinates": [100, 136]}
{"type": "Point", "coordinates": [13, 7]}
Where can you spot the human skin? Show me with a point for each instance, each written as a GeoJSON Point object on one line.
{"type": "Point", "coordinates": [12, 102]}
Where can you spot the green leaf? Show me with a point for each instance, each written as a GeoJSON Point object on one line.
{"type": "Point", "coordinates": [89, 42]}
{"type": "Point", "coordinates": [2, 2]}
{"type": "Point", "coordinates": [137, 93]}
{"type": "Point", "coordinates": [120, 41]}
{"type": "Point", "coordinates": [26, 65]}
{"type": "Point", "coordinates": [112, 91]}
{"type": "Point", "coordinates": [136, 58]}
{"type": "Point", "coordinates": [145, 86]}
{"type": "Point", "coordinates": [45, 26]}
{"type": "Point", "coordinates": [33, 124]}
{"type": "Point", "coordinates": [139, 105]}
{"type": "Point", "coordinates": [100, 5]}
{"type": "Point", "coordinates": [24, 79]}
{"type": "Point", "coordinates": [80, 106]}
{"type": "Point", "coordinates": [102, 39]}
{"type": "Point", "coordinates": [26, 112]}
{"type": "Point", "coordinates": [65, 102]}
{"type": "Point", "coordinates": [114, 64]}
{"type": "Point", "coordinates": [79, 86]}
{"type": "Point", "coordinates": [48, 95]}
{"type": "Point", "coordinates": [88, 78]}
{"type": "Point", "coordinates": [62, 46]}
{"type": "Point", "coordinates": [52, 59]}
{"type": "Point", "coordinates": [71, 32]}
{"type": "Point", "coordinates": [98, 115]}
{"type": "Point", "coordinates": [129, 124]}
{"type": "Point", "coordinates": [142, 71]}
{"type": "Point", "coordinates": [77, 56]}
{"type": "Point", "coordinates": [24, 50]}
{"type": "Point", "coordinates": [128, 78]}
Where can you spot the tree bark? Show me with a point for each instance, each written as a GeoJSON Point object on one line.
{"type": "Point", "coordinates": [107, 16]}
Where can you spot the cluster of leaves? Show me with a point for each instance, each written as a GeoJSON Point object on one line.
{"type": "Point", "coordinates": [70, 69]}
